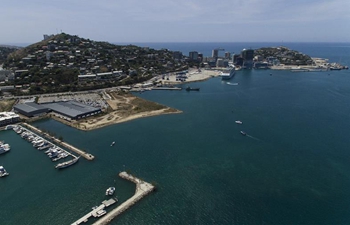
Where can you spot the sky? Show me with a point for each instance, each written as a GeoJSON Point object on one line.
{"type": "Point", "coordinates": [131, 21]}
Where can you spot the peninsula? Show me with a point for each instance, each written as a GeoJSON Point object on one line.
{"type": "Point", "coordinates": [87, 84]}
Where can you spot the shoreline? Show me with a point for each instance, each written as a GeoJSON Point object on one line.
{"type": "Point", "coordinates": [194, 75]}
{"type": "Point", "coordinates": [86, 126]}
{"type": "Point", "coordinates": [104, 122]}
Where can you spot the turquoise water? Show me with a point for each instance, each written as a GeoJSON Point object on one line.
{"type": "Point", "coordinates": [293, 167]}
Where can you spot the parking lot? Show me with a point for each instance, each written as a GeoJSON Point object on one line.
{"type": "Point", "coordinates": [92, 99]}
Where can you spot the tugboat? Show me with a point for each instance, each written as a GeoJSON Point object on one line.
{"type": "Point", "coordinates": [110, 191]}
{"type": "Point", "coordinates": [243, 133]}
{"type": "Point", "coordinates": [192, 89]}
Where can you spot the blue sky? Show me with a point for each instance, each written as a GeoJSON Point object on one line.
{"type": "Point", "coordinates": [130, 21]}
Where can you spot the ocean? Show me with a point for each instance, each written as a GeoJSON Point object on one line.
{"type": "Point", "coordinates": [293, 167]}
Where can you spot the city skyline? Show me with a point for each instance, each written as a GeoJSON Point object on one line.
{"type": "Point", "coordinates": [177, 21]}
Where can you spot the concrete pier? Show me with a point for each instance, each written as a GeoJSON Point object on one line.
{"type": "Point", "coordinates": [96, 211]}
{"type": "Point", "coordinates": [167, 88]}
{"type": "Point", "coordinates": [142, 189]}
{"type": "Point", "coordinates": [86, 155]}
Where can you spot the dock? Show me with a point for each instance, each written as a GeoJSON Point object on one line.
{"type": "Point", "coordinates": [167, 88]}
{"type": "Point", "coordinates": [96, 211]}
{"type": "Point", "coordinates": [86, 155]}
{"type": "Point", "coordinates": [142, 189]}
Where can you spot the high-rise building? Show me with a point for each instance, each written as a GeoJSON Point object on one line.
{"type": "Point", "coordinates": [177, 55]}
{"type": "Point", "coordinates": [215, 53]}
{"type": "Point", "coordinates": [193, 55]}
{"type": "Point", "coordinates": [200, 57]}
{"type": "Point", "coordinates": [248, 56]}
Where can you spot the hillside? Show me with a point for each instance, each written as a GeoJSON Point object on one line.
{"type": "Point", "coordinates": [5, 51]}
{"type": "Point", "coordinates": [66, 62]}
{"type": "Point", "coordinates": [284, 55]}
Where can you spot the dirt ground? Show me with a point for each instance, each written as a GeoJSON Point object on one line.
{"type": "Point", "coordinates": [6, 105]}
{"type": "Point", "coordinates": [123, 107]}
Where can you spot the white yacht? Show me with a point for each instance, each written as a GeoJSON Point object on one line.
{"type": "Point", "coordinates": [110, 191]}
{"type": "Point", "coordinates": [238, 122]}
{"type": "Point", "coordinates": [68, 163]}
{"type": "Point", "coordinates": [4, 148]}
{"type": "Point", "coordinates": [3, 172]}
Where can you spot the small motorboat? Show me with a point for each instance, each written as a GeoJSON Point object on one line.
{"type": "Point", "coordinates": [110, 191]}
{"type": "Point", "coordinates": [243, 133]}
{"type": "Point", "coordinates": [192, 89]}
{"type": "Point", "coordinates": [238, 122]}
{"type": "Point", "coordinates": [113, 143]}
{"type": "Point", "coordinates": [3, 172]}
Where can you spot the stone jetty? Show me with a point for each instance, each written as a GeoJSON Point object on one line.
{"type": "Point", "coordinates": [142, 189]}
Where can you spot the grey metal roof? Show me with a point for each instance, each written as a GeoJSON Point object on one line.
{"type": "Point", "coordinates": [71, 108]}
{"type": "Point", "coordinates": [29, 107]}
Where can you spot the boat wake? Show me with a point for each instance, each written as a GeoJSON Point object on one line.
{"type": "Point", "coordinates": [257, 139]}
{"type": "Point", "coordinates": [229, 83]}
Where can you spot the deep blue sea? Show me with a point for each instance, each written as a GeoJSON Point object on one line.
{"type": "Point", "coordinates": [293, 167]}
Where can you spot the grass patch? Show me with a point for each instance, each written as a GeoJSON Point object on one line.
{"type": "Point", "coordinates": [6, 105]}
{"type": "Point", "coordinates": [142, 105]}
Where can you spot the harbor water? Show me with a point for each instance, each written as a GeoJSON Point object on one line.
{"type": "Point", "coordinates": [292, 167]}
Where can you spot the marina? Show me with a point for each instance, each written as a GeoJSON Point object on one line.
{"type": "Point", "coordinates": [54, 152]}
{"type": "Point", "coordinates": [82, 153]}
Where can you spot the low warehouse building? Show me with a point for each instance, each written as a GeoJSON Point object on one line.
{"type": "Point", "coordinates": [30, 109]}
{"type": "Point", "coordinates": [72, 110]}
{"type": "Point", "coordinates": [69, 110]}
